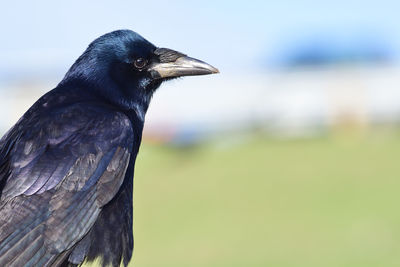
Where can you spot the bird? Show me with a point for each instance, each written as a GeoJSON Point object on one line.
{"type": "Point", "coordinates": [67, 165]}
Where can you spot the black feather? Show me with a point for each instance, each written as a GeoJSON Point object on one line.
{"type": "Point", "coordinates": [66, 167]}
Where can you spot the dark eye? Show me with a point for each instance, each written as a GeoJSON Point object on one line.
{"type": "Point", "coordinates": [140, 63]}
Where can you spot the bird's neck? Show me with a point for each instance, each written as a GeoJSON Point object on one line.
{"type": "Point", "coordinates": [129, 100]}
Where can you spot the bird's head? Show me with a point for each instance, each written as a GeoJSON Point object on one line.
{"type": "Point", "coordinates": [127, 69]}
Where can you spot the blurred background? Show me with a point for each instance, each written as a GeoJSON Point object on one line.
{"type": "Point", "coordinates": [288, 157]}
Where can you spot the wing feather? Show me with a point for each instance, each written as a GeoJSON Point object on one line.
{"type": "Point", "coordinates": [59, 176]}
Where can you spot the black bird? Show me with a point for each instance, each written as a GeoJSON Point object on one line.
{"type": "Point", "coordinates": [66, 167]}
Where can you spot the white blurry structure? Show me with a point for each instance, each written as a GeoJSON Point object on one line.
{"type": "Point", "coordinates": [288, 102]}
{"type": "Point", "coordinates": [295, 103]}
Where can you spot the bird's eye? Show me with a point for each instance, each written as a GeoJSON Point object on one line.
{"type": "Point", "coordinates": [140, 63]}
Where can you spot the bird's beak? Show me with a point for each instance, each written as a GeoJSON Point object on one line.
{"type": "Point", "coordinates": [176, 64]}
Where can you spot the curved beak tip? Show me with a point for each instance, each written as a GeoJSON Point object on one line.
{"type": "Point", "coordinates": [191, 66]}
{"type": "Point", "coordinates": [214, 70]}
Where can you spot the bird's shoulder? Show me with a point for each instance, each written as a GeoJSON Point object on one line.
{"type": "Point", "coordinates": [56, 164]}
{"type": "Point", "coordinates": [72, 145]}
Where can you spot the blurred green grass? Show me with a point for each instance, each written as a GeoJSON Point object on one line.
{"type": "Point", "coordinates": [329, 201]}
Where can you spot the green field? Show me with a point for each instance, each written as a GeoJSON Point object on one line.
{"type": "Point", "coordinates": [259, 201]}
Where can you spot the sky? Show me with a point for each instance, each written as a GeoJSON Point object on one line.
{"type": "Point", "coordinates": [40, 40]}
{"type": "Point", "coordinates": [45, 37]}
